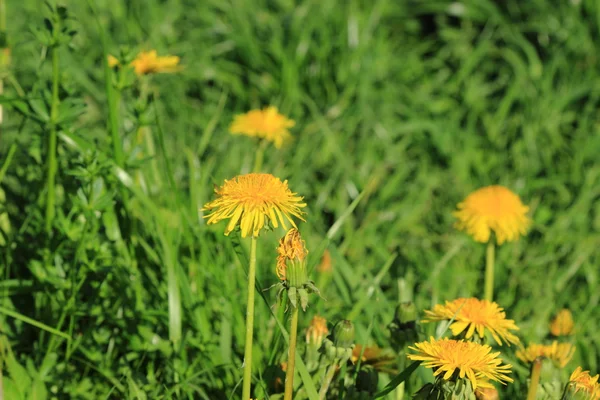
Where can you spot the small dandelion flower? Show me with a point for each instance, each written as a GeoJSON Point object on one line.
{"type": "Point", "coordinates": [265, 124]}
{"type": "Point", "coordinates": [112, 61]}
{"type": "Point", "coordinates": [291, 248]}
{"type": "Point", "coordinates": [380, 359]}
{"type": "Point", "coordinates": [583, 382]}
{"type": "Point", "coordinates": [458, 358]}
{"type": "Point", "coordinates": [148, 62]}
{"type": "Point", "coordinates": [472, 316]}
{"type": "Point", "coordinates": [559, 353]}
{"type": "Point", "coordinates": [317, 331]}
{"type": "Point", "coordinates": [493, 208]}
{"type": "Point", "coordinates": [252, 200]}
{"type": "Point", "coordinates": [562, 324]}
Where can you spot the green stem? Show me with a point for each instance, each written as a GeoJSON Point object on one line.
{"type": "Point", "coordinates": [249, 323]}
{"type": "Point", "coordinates": [289, 374]}
{"type": "Point", "coordinates": [52, 163]}
{"type": "Point", "coordinates": [534, 379]}
{"type": "Point", "coordinates": [260, 152]}
{"type": "Point", "coordinates": [489, 271]}
{"type": "Point", "coordinates": [327, 380]}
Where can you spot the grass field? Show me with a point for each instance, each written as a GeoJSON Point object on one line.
{"type": "Point", "coordinates": [113, 285]}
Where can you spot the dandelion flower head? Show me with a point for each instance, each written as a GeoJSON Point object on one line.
{"type": "Point", "coordinates": [562, 324]}
{"type": "Point", "coordinates": [317, 330]}
{"type": "Point", "coordinates": [265, 124]}
{"type": "Point", "coordinates": [472, 360]}
{"type": "Point", "coordinates": [252, 200]}
{"type": "Point", "coordinates": [493, 208]}
{"type": "Point", "coordinates": [559, 353]}
{"type": "Point", "coordinates": [472, 316]}
{"type": "Point", "coordinates": [148, 62]}
{"type": "Point", "coordinates": [585, 383]}
{"type": "Point", "coordinates": [291, 247]}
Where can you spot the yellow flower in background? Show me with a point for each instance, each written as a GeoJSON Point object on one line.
{"type": "Point", "coordinates": [112, 61]}
{"type": "Point", "coordinates": [487, 393]}
{"type": "Point", "coordinates": [493, 208]}
{"type": "Point", "coordinates": [252, 200]}
{"type": "Point", "coordinates": [382, 360]}
{"type": "Point", "coordinates": [583, 382]}
{"type": "Point", "coordinates": [265, 124]}
{"type": "Point", "coordinates": [470, 360]}
{"type": "Point", "coordinates": [291, 247]}
{"type": "Point", "coordinates": [148, 62]}
{"type": "Point", "coordinates": [317, 331]}
{"type": "Point", "coordinates": [562, 324]}
{"type": "Point", "coordinates": [472, 316]}
{"type": "Point", "coordinates": [559, 353]}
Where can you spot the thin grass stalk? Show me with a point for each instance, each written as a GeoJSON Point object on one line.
{"type": "Point", "coordinates": [289, 373]}
{"type": "Point", "coordinates": [249, 323]}
{"type": "Point", "coordinates": [489, 271]}
{"type": "Point", "coordinates": [534, 380]}
{"type": "Point", "coordinates": [259, 156]}
{"type": "Point", "coordinates": [52, 141]}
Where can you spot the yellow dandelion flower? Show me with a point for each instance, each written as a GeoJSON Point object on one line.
{"type": "Point", "coordinates": [265, 124]}
{"type": "Point", "coordinates": [148, 62]}
{"type": "Point", "coordinates": [380, 359]}
{"type": "Point", "coordinates": [562, 324]}
{"type": "Point", "coordinates": [112, 61]}
{"type": "Point", "coordinates": [472, 316]}
{"type": "Point", "coordinates": [582, 381]}
{"type": "Point", "coordinates": [317, 331]}
{"type": "Point", "coordinates": [252, 200]}
{"type": "Point", "coordinates": [487, 393]}
{"type": "Point", "coordinates": [493, 208]}
{"type": "Point", "coordinates": [472, 360]}
{"type": "Point", "coordinates": [559, 353]}
{"type": "Point", "coordinates": [291, 247]}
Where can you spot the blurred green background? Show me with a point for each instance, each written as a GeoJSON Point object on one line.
{"type": "Point", "coordinates": [402, 108]}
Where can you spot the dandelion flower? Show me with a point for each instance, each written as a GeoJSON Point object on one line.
{"type": "Point", "coordinates": [472, 360]}
{"type": "Point", "coordinates": [582, 381]}
{"type": "Point", "coordinates": [562, 324]}
{"type": "Point", "coordinates": [559, 353]}
{"type": "Point", "coordinates": [148, 62]}
{"type": "Point", "coordinates": [112, 61]}
{"type": "Point", "coordinates": [493, 208]}
{"type": "Point", "coordinates": [317, 331]}
{"type": "Point", "coordinates": [251, 201]}
{"type": "Point", "coordinates": [380, 359]}
{"type": "Point", "coordinates": [472, 316]}
{"type": "Point", "coordinates": [291, 247]}
{"type": "Point", "coordinates": [265, 124]}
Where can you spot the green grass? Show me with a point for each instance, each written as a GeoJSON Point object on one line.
{"type": "Point", "coordinates": [402, 109]}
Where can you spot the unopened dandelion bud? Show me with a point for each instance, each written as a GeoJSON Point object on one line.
{"type": "Point", "coordinates": [403, 329]}
{"type": "Point", "coordinates": [582, 386]}
{"type": "Point", "coordinates": [367, 380]}
{"type": "Point", "coordinates": [343, 334]}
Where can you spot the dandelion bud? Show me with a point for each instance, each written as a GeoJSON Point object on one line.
{"type": "Point", "coordinates": [403, 328]}
{"type": "Point", "coordinates": [291, 259]}
{"type": "Point", "coordinates": [343, 334]}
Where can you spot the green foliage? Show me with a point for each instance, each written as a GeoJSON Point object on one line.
{"type": "Point", "coordinates": [401, 109]}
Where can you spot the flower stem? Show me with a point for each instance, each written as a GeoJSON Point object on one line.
{"type": "Point", "coordinates": [327, 380]}
{"type": "Point", "coordinates": [260, 152]}
{"type": "Point", "coordinates": [534, 379]}
{"type": "Point", "coordinates": [289, 374]}
{"type": "Point", "coordinates": [249, 323]}
{"type": "Point", "coordinates": [52, 163]}
{"type": "Point", "coordinates": [489, 271]}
